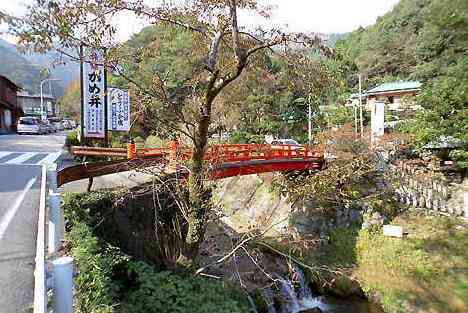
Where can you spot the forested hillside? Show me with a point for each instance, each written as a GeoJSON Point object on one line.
{"type": "Point", "coordinates": [424, 40]}
{"type": "Point", "coordinates": [419, 39]}
{"type": "Point", "coordinates": [17, 67]}
{"type": "Point", "coordinates": [270, 98]}
{"type": "Point", "coordinates": [60, 66]}
{"type": "Point", "coordinates": [28, 69]}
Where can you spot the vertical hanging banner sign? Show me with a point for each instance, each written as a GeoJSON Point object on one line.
{"type": "Point", "coordinates": [118, 111]}
{"type": "Point", "coordinates": [94, 97]}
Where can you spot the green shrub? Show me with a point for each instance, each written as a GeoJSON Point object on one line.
{"type": "Point", "coordinates": [461, 157]}
{"type": "Point", "coordinates": [246, 137]}
{"type": "Point", "coordinates": [72, 139]}
{"type": "Point", "coordinates": [95, 290]}
{"type": "Point", "coordinates": [154, 142]}
{"type": "Point", "coordinates": [88, 208]}
{"type": "Point", "coordinates": [139, 142]}
{"type": "Point", "coordinates": [162, 292]}
{"type": "Point", "coordinates": [109, 281]}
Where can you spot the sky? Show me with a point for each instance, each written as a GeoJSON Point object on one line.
{"type": "Point", "coordinates": [322, 16]}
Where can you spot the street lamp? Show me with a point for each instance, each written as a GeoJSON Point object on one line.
{"type": "Point", "coordinates": [42, 97]}
{"type": "Point", "coordinates": [309, 117]}
{"type": "Point", "coordinates": [309, 114]}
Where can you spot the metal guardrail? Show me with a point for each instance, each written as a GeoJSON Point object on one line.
{"type": "Point", "coordinates": [40, 288]}
{"type": "Point", "coordinates": [59, 272]}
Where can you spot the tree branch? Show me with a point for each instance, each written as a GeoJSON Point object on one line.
{"type": "Point", "coordinates": [238, 51]}
{"type": "Point", "coordinates": [214, 51]}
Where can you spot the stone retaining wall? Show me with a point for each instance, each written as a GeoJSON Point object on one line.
{"type": "Point", "coordinates": [419, 188]}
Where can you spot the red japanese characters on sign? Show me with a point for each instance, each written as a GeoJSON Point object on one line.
{"type": "Point", "coordinates": [93, 98]}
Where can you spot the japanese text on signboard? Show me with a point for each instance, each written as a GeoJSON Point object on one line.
{"type": "Point", "coordinates": [93, 97]}
{"type": "Point", "coordinates": [118, 110]}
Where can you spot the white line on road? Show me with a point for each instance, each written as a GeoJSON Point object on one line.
{"type": "Point", "coordinates": [10, 213]}
{"type": "Point", "coordinates": [4, 153]}
{"type": "Point", "coordinates": [50, 158]}
{"type": "Point", "coordinates": [21, 158]}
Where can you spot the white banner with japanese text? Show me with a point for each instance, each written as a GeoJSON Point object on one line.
{"type": "Point", "coordinates": [93, 97]}
{"type": "Point", "coordinates": [118, 111]}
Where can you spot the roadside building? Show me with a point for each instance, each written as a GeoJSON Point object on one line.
{"type": "Point", "coordinates": [10, 112]}
{"type": "Point", "coordinates": [398, 96]}
{"type": "Point", "coordinates": [31, 104]}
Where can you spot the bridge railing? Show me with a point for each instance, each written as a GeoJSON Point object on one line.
{"type": "Point", "coordinates": [214, 154]}
{"type": "Point", "coordinates": [247, 152]}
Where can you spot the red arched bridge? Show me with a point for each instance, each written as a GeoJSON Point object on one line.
{"type": "Point", "coordinates": [224, 160]}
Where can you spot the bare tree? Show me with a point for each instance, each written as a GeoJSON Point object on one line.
{"type": "Point", "coordinates": [226, 50]}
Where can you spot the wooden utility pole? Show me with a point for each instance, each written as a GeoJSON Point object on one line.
{"type": "Point", "coordinates": [82, 137]}
{"type": "Point", "coordinates": [310, 121]}
{"type": "Point", "coordinates": [106, 127]}
{"type": "Point", "coordinates": [360, 106]}
{"type": "Point", "coordinates": [355, 118]}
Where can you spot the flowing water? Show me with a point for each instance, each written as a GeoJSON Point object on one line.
{"type": "Point", "coordinates": [299, 298]}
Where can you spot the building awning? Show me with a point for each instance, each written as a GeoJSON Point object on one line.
{"type": "Point", "coordinates": [400, 86]}
{"type": "Point", "coordinates": [13, 85]}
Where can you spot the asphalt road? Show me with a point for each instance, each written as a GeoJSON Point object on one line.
{"type": "Point", "coordinates": [21, 158]}
{"type": "Point", "coordinates": [32, 143]}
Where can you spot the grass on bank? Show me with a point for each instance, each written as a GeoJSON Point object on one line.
{"type": "Point", "coordinates": [427, 270]}
{"type": "Point", "coordinates": [109, 281]}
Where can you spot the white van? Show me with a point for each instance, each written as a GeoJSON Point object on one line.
{"type": "Point", "coordinates": [30, 125]}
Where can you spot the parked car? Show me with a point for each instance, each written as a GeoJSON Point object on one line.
{"type": "Point", "coordinates": [289, 142]}
{"type": "Point", "coordinates": [58, 125]}
{"type": "Point", "coordinates": [49, 127]}
{"type": "Point", "coordinates": [30, 125]}
{"type": "Point", "coordinates": [67, 124]}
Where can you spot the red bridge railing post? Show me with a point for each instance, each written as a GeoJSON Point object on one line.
{"type": "Point", "coordinates": [131, 149]}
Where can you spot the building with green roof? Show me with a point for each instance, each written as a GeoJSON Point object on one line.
{"type": "Point", "coordinates": [398, 95]}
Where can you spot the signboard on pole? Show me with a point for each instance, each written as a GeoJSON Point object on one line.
{"type": "Point", "coordinates": [377, 120]}
{"type": "Point", "coordinates": [118, 112]}
{"type": "Point", "coordinates": [94, 98]}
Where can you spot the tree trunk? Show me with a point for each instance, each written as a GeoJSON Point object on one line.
{"type": "Point", "coordinates": [199, 195]}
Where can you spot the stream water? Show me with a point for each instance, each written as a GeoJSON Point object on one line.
{"type": "Point", "coordinates": [295, 299]}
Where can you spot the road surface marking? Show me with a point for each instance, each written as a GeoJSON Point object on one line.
{"type": "Point", "coordinates": [50, 158]}
{"type": "Point", "coordinates": [4, 153]}
{"type": "Point", "coordinates": [21, 158]}
{"type": "Point", "coordinates": [11, 212]}
{"type": "Point", "coordinates": [28, 158]}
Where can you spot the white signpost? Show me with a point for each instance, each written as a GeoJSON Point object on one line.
{"type": "Point", "coordinates": [94, 100]}
{"type": "Point", "coordinates": [377, 120]}
{"type": "Point", "coordinates": [118, 111]}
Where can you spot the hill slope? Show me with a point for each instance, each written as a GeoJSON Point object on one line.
{"type": "Point", "coordinates": [25, 69]}
{"type": "Point", "coordinates": [426, 40]}
{"type": "Point", "coordinates": [418, 39]}
{"type": "Point", "coordinates": [18, 68]}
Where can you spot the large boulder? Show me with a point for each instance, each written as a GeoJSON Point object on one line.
{"type": "Point", "coordinates": [313, 310]}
